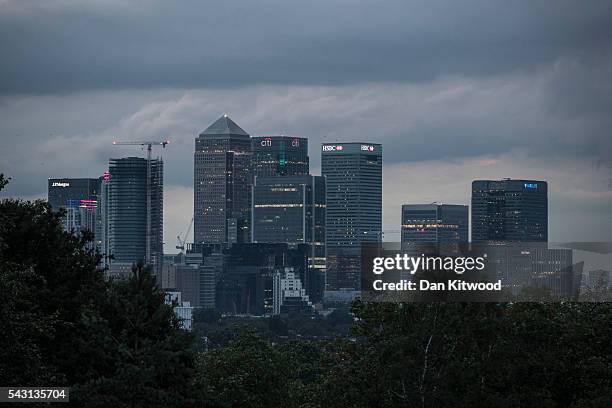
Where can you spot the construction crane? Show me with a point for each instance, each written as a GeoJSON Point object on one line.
{"type": "Point", "coordinates": [145, 143]}
{"type": "Point", "coordinates": [183, 241]}
{"type": "Point", "coordinates": [149, 145]}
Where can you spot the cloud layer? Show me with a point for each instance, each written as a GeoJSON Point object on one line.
{"type": "Point", "coordinates": [454, 91]}
{"type": "Point", "coordinates": [72, 45]}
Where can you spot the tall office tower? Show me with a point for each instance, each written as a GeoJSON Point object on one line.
{"type": "Point", "coordinates": [509, 210]}
{"type": "Point", "coordinates": [291, 209]}
{"type": "Point", "coordinates": [132, 202]}
{"type": "Point", "coordinates": [222, 203]}
{"type": "Point", "coordinates": [102, 235]}
{"type": "Point", "coordinates": [279, 156]}
{"type": "Point", "coordinates": [437, 223]}
{"type": "Point", "coordinates": [353, 174]}
{"type": "Point", "coordinates": [79, 198]}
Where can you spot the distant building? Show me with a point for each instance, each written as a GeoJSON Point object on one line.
{"type": "Point", "coordinates": [353, 174]}
{"type": "Point", "coordinates": [598, 280]}
{"type": "Point", "coordinates": [167, 278]}
{"type": "Point", "coordinates": [78, 197]}
{"type": "Point", "coordinates": [289, 295]}
{"type": "Point", "coordinates": [509, 210]}
{"type": "Point", "coordinates": [135, 211]}
{"type": "Point", "coordinates": [291, 209]}
{"type": "Point", "coordinates": [437, 223]}
{"type": "Point", "coordinates": [532, 266]}
{"type": "Point", "coordinates": [188, 283]}
{"type": "Point", "coordinates": [182, 309]}
{"type": "Point", "coordinates": [242, 276]}
{"type": "Point", "coordinates": [222, 162]}
{"type": "Point", "coordinates": [280, 156]}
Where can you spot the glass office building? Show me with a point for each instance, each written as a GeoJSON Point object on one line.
{"type": "Point", "coordinates": [289, 209]}
{"type": "Point", "coordinates": [79, 198]}
{"type": "Point", "coordinates": [131, 236]}
{"type": "Point", "coordinates": [222, 180]}
{"type": "Point", "coordinates": [279, 156]}
{"type": "Point", "coordinates": [509, 210]}
{"type": "Point", "coordinates": [353, 173]}
{"type": "Point", "coordinates": [437, 223]}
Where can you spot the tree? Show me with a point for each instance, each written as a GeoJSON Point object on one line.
{"type": "Point", "coordinates": [247, 373]}
{"type": "Point", "coordinates": [63, 324]}
{"type": "Point", "coordinates": [139, 357]}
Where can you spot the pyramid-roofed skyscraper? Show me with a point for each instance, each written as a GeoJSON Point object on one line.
{"type": "Point", "coordinates": [221, 184]}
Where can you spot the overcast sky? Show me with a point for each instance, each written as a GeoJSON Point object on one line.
{"type": "Point", "coordinates": [454, 90]}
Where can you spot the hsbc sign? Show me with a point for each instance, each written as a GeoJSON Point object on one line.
{"type": "Point", "coordinates": [367, 148]}
{"type": "Point", "coordinates": [332, 148]}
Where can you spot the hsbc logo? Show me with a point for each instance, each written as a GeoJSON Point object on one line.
{"type": "Point", "coordinates": [367, 148]}
{"type": "Point", "coordinates": [332, 148]}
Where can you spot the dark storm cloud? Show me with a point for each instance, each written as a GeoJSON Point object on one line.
{"type": "Point", "coordinates": [68, 45]}
{"type": "Point", "coordinates": [454, 90]}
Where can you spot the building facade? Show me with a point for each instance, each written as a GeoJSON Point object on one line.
{"type": "Point", "coordinates": [135, 211]}
{"type": "Point", "coordinates": [79, 198]}
{"type": "Point", "coordinates": [509, 211]}
{"type": "Point", "coordinates": [353, 215]}
{"type": "Point", "coordinates": [289, 295]}
{"type": "Point", "coordinates": [279, 156]}
{"type": "Point", "coordinates": [222, 179]}
{"type": "Point", "coordinates": [289, 209]}
{"type": "Point", "coordinates": [437, 223]}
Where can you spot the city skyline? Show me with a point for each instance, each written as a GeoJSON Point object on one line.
{"type": "Point", "coordinates": [392, 229]}
{"type": "Point", "coordinates": [455, 95]}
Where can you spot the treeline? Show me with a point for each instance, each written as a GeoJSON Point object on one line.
{"type": "Point", "coordinates": [116, 344]}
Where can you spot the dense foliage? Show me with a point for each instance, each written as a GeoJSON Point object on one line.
{"type": "Point", "coordinates": [62, 324]}
{"type": "Point", "coordinates": [118, 345]}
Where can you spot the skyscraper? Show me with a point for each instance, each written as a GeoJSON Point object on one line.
{"type": "Point", "coordinates": [509, 210]}
{"type": "Point", "coordinates": [222, 177]}
{"type": "Point", "coordinates": [437, 223]}
{"type": "Point", "coordinates": [353, 174]}
{"type": "Point", "coordinates": [279, 156]}
{"type": "Point", "coordinates": [289, 209]}
{"type": "Point", "coordinates": [79, 198]}
{"type": "Point", "coordinates": [130, 237]}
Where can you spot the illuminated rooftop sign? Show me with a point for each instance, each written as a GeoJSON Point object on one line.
{"type": "Point", "coordinates": [530, 185]}
{"type": "Point", "coordinates": [332, 148]}
{"type": "Point", "coordinates": [60, 184]}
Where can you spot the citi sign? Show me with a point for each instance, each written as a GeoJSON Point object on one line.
{"type": "Point", "coordinates": [332, 148]}
{"type": "Point", "coordinates": [60, 184]}
{"type": "Point", "coordinates": [267, 142]}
